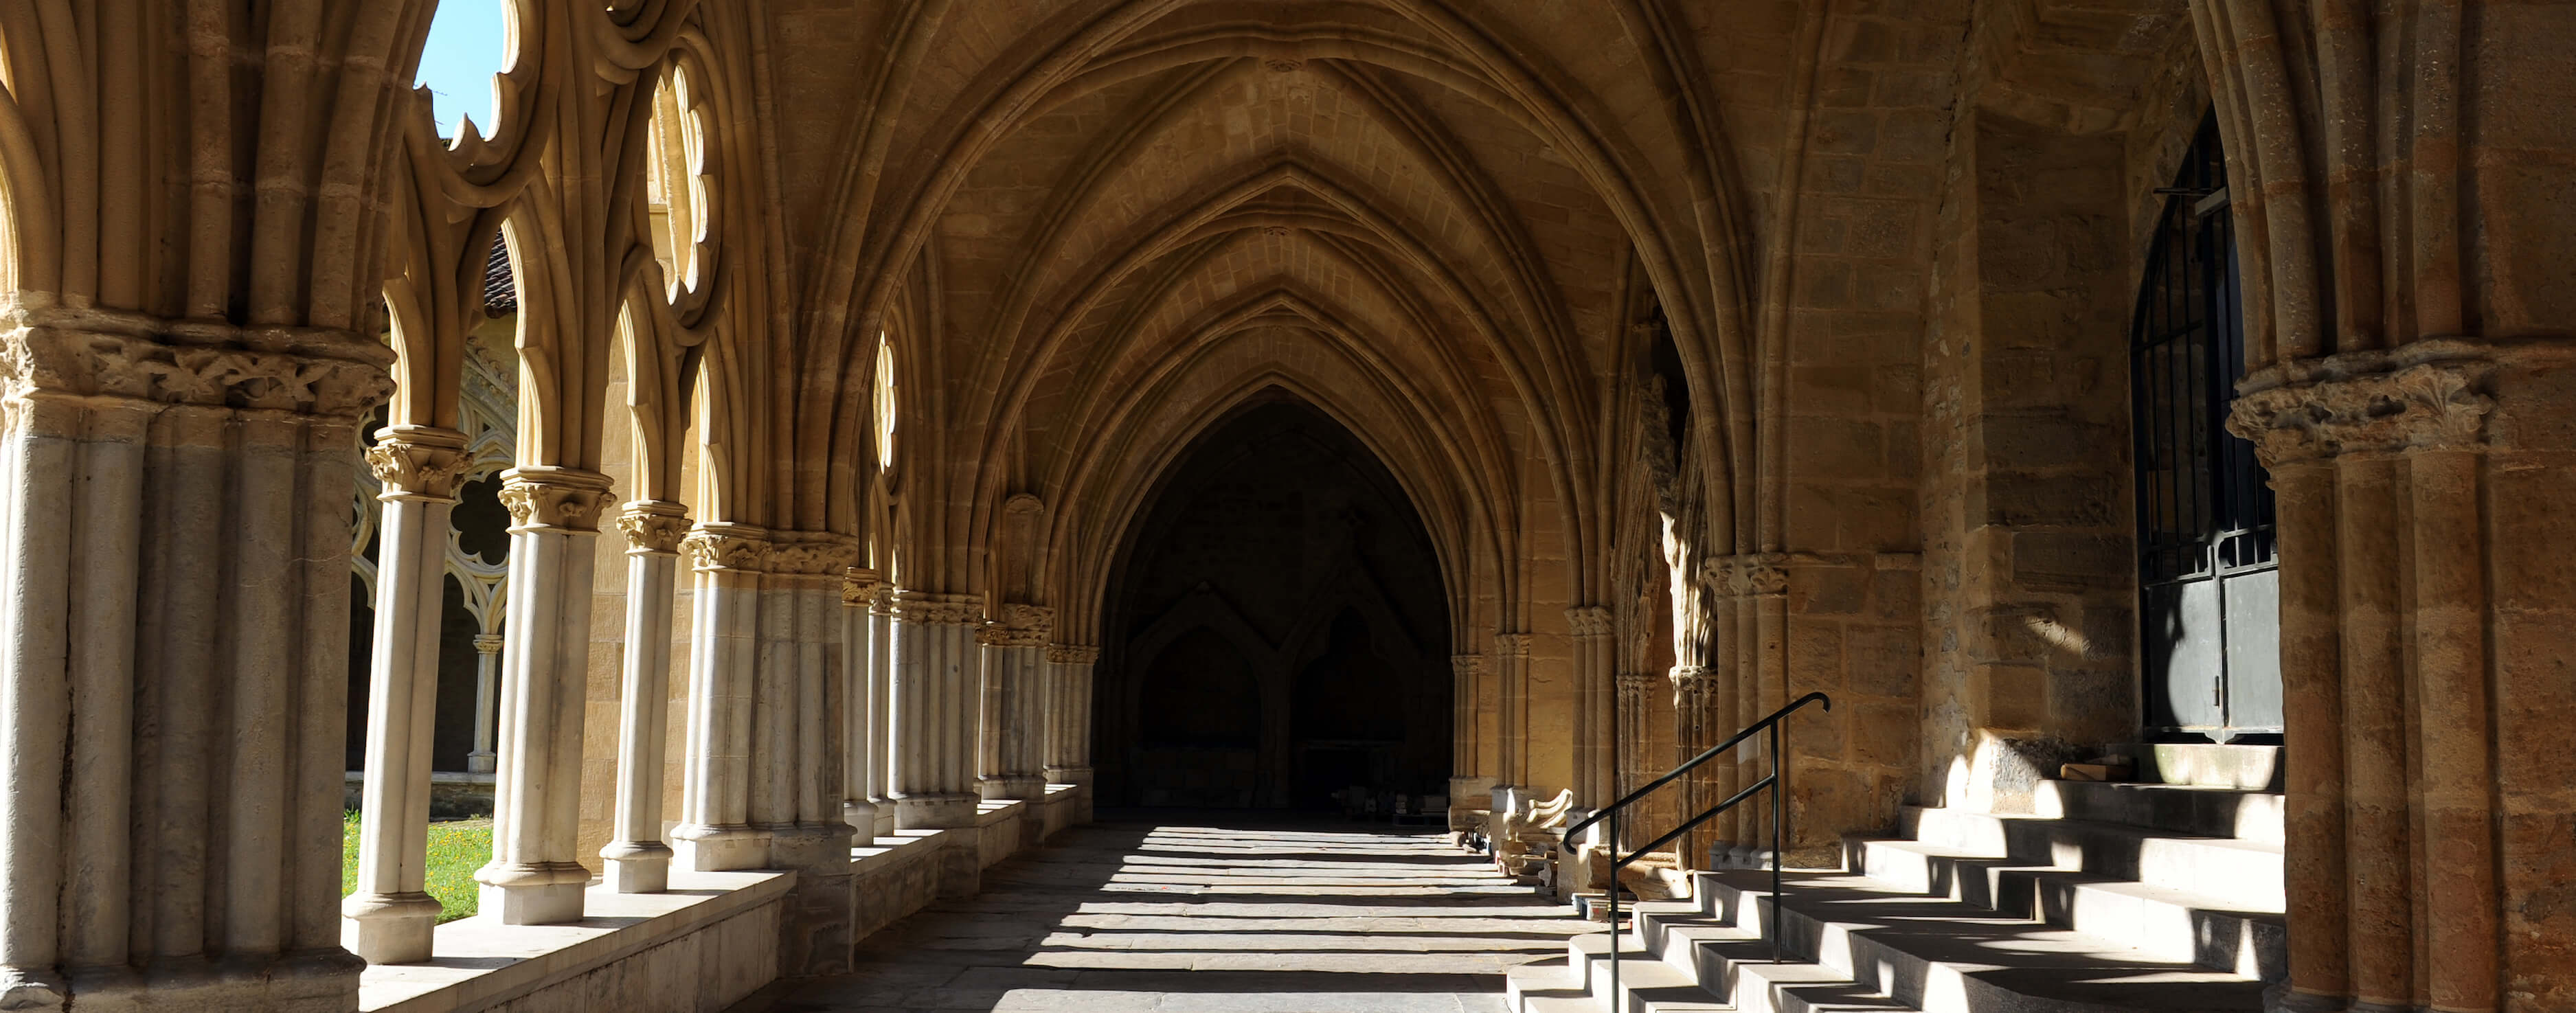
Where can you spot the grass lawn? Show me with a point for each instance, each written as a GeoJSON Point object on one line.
{"type": "Point", "coordinates": [456, 849]}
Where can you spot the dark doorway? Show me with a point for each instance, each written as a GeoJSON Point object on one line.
{"type": "Point", "coordinates": [2208, 582]}
{"type": "Point", "coordinates": [1276, 630]}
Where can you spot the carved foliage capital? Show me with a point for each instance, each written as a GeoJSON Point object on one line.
{"type": "Point", "coordinates": [89, 353]}
{"type": "Point", "coordinates": [652, 527]}
{"type": "Point", "coordinates": [932, 608]}
{"type": "Point", "coordinates": [2433, 404]}
{"type": "Point", "coordinates": [812, 553]}
{"type": "Point", "coordinates": [1070, 655]}
{"type": "Point", "coordinates": [1588, 621]}
{"type": "Point", "coordinates": [720, 546]}
{"type": "Point", "coordinates": [1511, 645]}
{"type": "Point", "coordinates": [1466, 666]}
{"type": "Point", "coordinates": [553, 499]}
{"type": "Point", "coordinates": [1635, 684]}
{"type": "Point", "coordinates": [418, 462]}
{"type": "Point", "coordinates": [1019, 626]}
{"type": "Point", "coordinates": [858, 586]}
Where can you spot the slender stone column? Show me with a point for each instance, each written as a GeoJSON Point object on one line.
{"type": "Point", "coordinates": [934, 724]}
{"type": "Point", "coordinates": [1701, 718]}
{"type": "Point", "coordinates": [880, 673]}
{"type": "Point", "coordinates": [798, 743]}
{"type": "Point", "coordinates": [390, 916]}
{"type": "Point", "coordinates": [1069, 744]}
{"type": "Point", "coordinates": [863, 752]}
{"type": "Point", "coordinates": [487, 698]}
{"type": "Point", "coordinates": [715, 831]}
{"type": "Point", "coordinates": [638, 861]}
{"type": "Point", "coordinates": [1013, 668]}
{"type": "Point", "coordinates": [1511, 738]}
{"type": "Point", "coordinates": [1469, 781]}
{"type": "Point", "coordinates": [1593, 764]}
{"type": "Point", "coordinates": [1633, 756]}
{"type": "Point", "coordinates": [536, 876]}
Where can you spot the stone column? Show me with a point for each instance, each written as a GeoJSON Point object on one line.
{"type": "Point", "coordinates": [863, 752]}
{"type": "Point", "coordinates": [797, 744]}
{"type": "Point", "coordinates": [715, 831]}
{"type": "Point", "coordinates": [1069, 745]}
{"type": "Point", "coordinates": [880, 672]}
{"type": "Point", "coordinates": [487, 700]}
{"type": "Point", "coordinates": [1013, 670]}
{"type": "Point", "coordinates": [1593, 764]}
{"type": "Point", "coordinates": [1469, 782]}
{"type": "Point", "coordinates": [390, 915]}
{"type": "Point", "coordinates": [176, 525]}
{"type": "Point", "coordinates": [638, 860]}
{"type": "Point", "coordinates": [536, 876]}
{"type": "Point", "coordinates": [1511, 737]}
{"type": "Point", "coordinates": [1703, 716]}
{"type": "Point", "coordinates": [934, 720]}
{"type": "Point", "coordinates": [1635, 767]}
{"type": "Point", "coordinates": [2408, 746]}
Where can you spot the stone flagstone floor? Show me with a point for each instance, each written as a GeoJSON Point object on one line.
{"type": "Point", "coordinates": [1222, 915]}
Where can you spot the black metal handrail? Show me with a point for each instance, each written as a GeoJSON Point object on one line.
{"type": "Point", "coordinates": [1610, 813]}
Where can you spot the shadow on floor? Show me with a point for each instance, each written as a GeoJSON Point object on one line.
{"type": "Point", "coordinates": [1220, 912]}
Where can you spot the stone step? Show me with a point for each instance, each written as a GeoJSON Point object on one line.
{"type": "Point", "coordinates": [1648, 983]}
{"type": "Point", "coordinates": [2161, 923]}
{"type": "Point", "coordinates": [2183, 809]}
{"type": "Point", "coordinates": [1939, 955]}
{"type": "Point", "coordinates": [2252, 768]}
{"type": "Point", "coordinates": [2248, 873]}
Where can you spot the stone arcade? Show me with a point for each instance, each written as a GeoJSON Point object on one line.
{"type": "Point", "coordinates": [801, 454]}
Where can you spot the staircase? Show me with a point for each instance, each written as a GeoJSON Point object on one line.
{"type": "Point", "coordinates": [2111, 897]}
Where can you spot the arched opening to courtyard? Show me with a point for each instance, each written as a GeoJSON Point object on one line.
{"type": "Point", "coordinates": [1275, 631]}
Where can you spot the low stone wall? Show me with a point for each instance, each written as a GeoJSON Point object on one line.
{"type": "Point", "coordinates": [703, 946]}
{"type": "Point", "coordinates": [896, 876]}
{"type": "Point", "coordinates": [452, 795]}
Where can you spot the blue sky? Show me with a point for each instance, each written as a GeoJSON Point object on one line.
{"type": "Point", "coordinates": [463, 53]}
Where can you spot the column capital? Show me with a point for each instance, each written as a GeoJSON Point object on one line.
{"type": "Point", "coordinates": [858, 586]}
{"type": "Point", "coordinates": [934, 608]}
{"type": "Point", "coordinates": [724, 545]}
{"type": "Point", "coordinates": [420, 463]}
{"type": "Point", "coordinates": [489, 643]}
{"type": "Point", "coordinates": [64, 352]}
{"type": "Point", "coordinates": [1466, 665]}
{"type": "Point", "coordinates": [2360, 402]}
{"type": "Point", "coordinates": [1072, 655]}
{"type": "Point", "coordinates": [1588, 621]}
{"type": "Point", "coordinates": [548, 498]}
{"type": "Point", "coordinates": [653, 527]}
{"type": "Point", "coordinates": [812, 553]}
{"type": "Point", "coordinates": [1747, 575]}
{"type": "Point", "coordinates": [1636, 682]}
{"type": "Point", "coordinates": [1511, 645]}
{"type": "Point", "coordinates": [881, 599]}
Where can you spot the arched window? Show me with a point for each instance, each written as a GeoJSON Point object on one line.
{"type": "Point", "coordinates": [2209, 591]}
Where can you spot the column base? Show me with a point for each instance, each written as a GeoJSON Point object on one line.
{"type": "Point", "coordinates": [637, 866]}
{"type": "Point", "coordinates": [481, 763]}
{"type": "Point", "coordinates": [32, 988]}
{"type": "Point", "coordinates": [544, 894]}
{"type": "Point", "coordinates": [861, 815]}
{"type": "Point", "coordinates": [809, 846]}
{"type": "Point", "coordinates": [385, 928]}
{"type": "Point", "coordinates": [1008, 787]}
{"type": "Point", "coordinates": [939, 811]}
{"type": "Point", "coordinates": [1068, 775]}
{"type": "Point", "coordinates": [702, 848]}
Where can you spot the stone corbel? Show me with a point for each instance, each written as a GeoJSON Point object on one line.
{"type": "Point", "coordinates": [653, 527]}
{"type": "Point", "coordinates": [552, 499]}
{"type": "Point", "coordinates": [721, 545]}
{"type": "Point", "coordinates": [2355, 404]}
{"type": "Point", "coordinates": [418, 463]}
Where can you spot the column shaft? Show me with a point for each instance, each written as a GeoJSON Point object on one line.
{"type": "Point", "coordinates": [638, 860]}
{"type": "Point", "coordinates": [935, 718]}
{"type": "Point", "coordinates": [536, 876]}
{"type": "Point", "coordinates": [487, 700]}
{"type": "Point", "coordinates": [2461, 930]}
{"type": "Point", "coordinates": [862, 754]}
{"type": "Point", "coordinates": [716, 830]}
{"type": "Point", "coordinates": [880, 672]}
{"type": "Point", "coordinates": [390, 916]}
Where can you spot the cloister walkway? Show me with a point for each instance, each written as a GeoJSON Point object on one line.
{"type": "Point", "coordinates": [1235, 914]}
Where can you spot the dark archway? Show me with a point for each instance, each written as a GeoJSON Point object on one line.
{"type": "Point", "coordinates": [1275, 629]}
